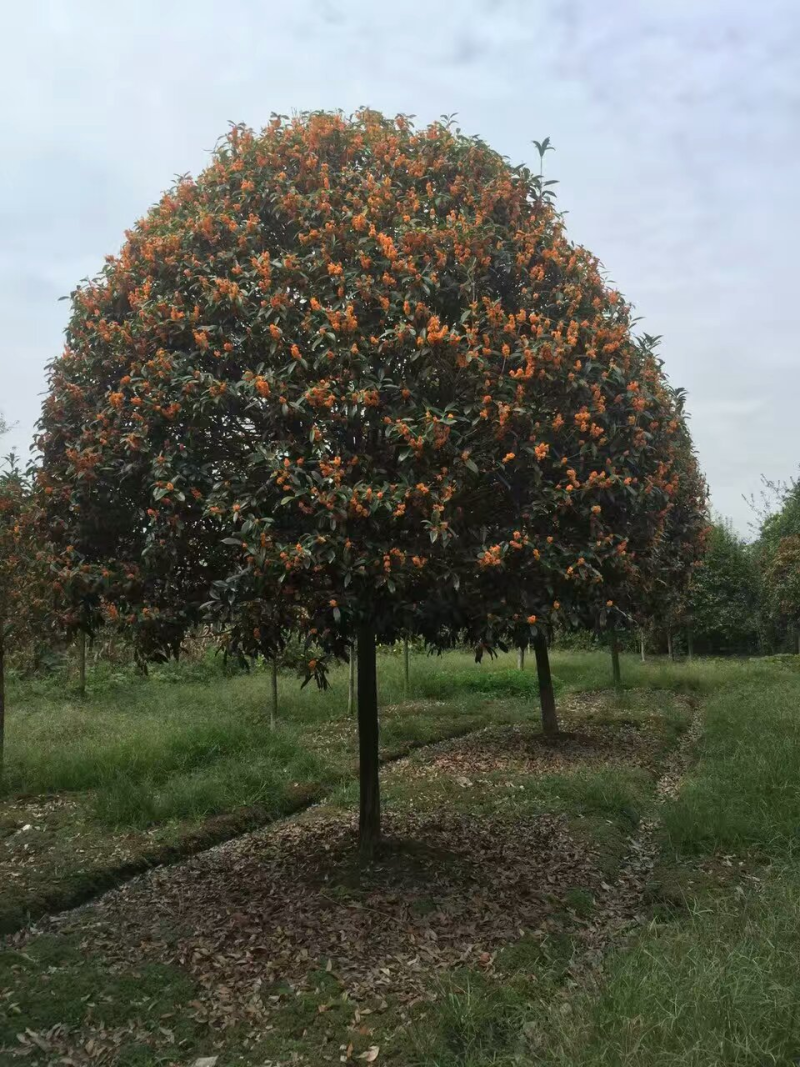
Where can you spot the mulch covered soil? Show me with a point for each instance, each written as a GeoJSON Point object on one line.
{"type": "Point", "coordinates": [278, 906]}
{"type": "Point", "coordinates": [518, 750]}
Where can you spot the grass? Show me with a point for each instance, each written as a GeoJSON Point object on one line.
{"type": "Point", "coordinates": [68, 993]}
{"type": "Point", "coordinates": [747, 792]}
{"type": "Point", "coordinates": [145, 729]}
{"type": "Point", "coordinates": [175, 747]}
{"type": "Point", "coordinates": [190, 721]}
{"type": "Point", "coordinates": [710, 981]}
{"type": "Point", "coordinates": [142, 771]}
{"type": "Point", "coordinates": [56, 989]}
{"type": "Point", "coordinates": [720, 987]}
{"type": "Point", "coordinates": [620, 795]}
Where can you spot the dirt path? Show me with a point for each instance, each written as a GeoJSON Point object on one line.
{"type": "Point", "coordinates": [622, 903]}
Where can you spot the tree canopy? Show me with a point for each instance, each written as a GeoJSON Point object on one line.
{"type": "Point", "coordinates": [332, 363]}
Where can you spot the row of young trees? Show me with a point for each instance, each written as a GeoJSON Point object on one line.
{"type": "Point", "coordinates": [355, 384]}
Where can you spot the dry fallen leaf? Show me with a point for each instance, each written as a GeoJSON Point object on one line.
{"type": "Point", "coordinates": [371, 1054]}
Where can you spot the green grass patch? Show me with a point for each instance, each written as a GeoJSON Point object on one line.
{"type": "Point", "coordinates": [475, 1022]}
{"type": "Point", "coordinates": [746, 791]}
{"type": "Point", "coordinates": [268, 781]}
{"type": "Point", "coordinates": [481, 1019]}
{"type": "Point", "coordinates": [719, 989]}
{"type": "Point", "coordinates": [53, 981]}
{"type": "Point", "coordinates": [188, 717]}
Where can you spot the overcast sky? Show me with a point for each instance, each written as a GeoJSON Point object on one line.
{"type": "Point", "coordinates": [676, 127]}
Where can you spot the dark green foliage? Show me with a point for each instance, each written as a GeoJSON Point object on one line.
{"type": "Point", "coordinates": [724, 599]}
{"type": "Point", "coordinates": [777, 553]}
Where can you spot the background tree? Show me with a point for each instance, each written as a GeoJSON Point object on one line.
{"type": "Point", "coordinates": [353, 383]}
{"type": "Point", "coordinates": [24, 578]}
{"type": "Point", "coordinates": [653, 591]}
{"type": "Point", "coordinates": [723, 601]}
{"type": "Point", "coordinates": [781, 587]}
{"type": "Point", "coordinates": [774, 552]}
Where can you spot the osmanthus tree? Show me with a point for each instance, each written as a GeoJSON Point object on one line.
{"type": "Point", "coordinates": [352, 382]}
{"type": "Point", "coordinates": [615, 531]}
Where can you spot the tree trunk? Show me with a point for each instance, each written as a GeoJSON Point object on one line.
{"type": "Point", "coordinates": [82, 663]}
{"type": "Point", "coordinates": [641, 646]}
{"type": "Point", "coordinates": [521, 658]}
{"type": "Point", "coordinates": [689, 644]}
{"type": "Point", "coordinates": [547, 696]}
{"type": "Point", "coordinates": [351, 682]}
{"type": "Point", "coordinates": [670, 649]}
{"type": "Point", "coordinates": [273, 708]}
{"type": "Point", "coordinates": [2, 699]}
{"type": "Point", "coordinates": [405, 666]}
{"type": "Point", "coordinates": [615, 669]}
{"type": "Point", "coordinates": [369, 819]}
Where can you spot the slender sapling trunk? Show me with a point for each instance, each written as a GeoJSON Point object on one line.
{"type": "Point", "coordinates": [689, 644]}
{"type": "Point", "coordinates": [351, 683]}
{"type": "Point", "coordinates": [273, 708]}
{"type": "Point", "coordinates": [670, 648]}
{"type": "Point", "coordinates": [521, 658]}
{"type": "Point", "coordinates": [615, 668]}
{"type": "Point", "coordinates": [405, 667]}
{"type": "Point", "coordinates": [82, 663]}
{"type": "Point", "coordinates": [641, 646]}
{"type": "Point", "coordinates": [547, 696]}
{"type": "Point", "coordinates": [369, 820]}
